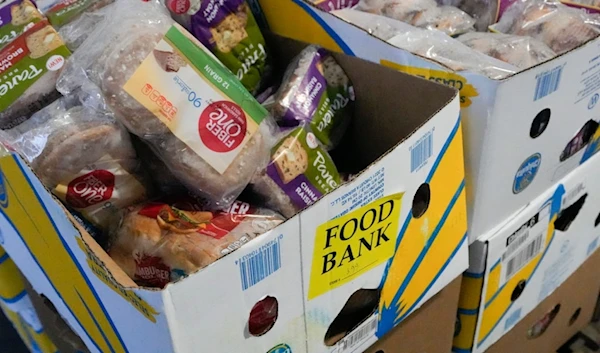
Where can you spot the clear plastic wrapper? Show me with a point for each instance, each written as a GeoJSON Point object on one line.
{"type": "Point", "coordinates": [522, 52]}
{"type": "Point", "coordinates": [76, 32]}
{"type": "Point", "coordinates": [377, 25]}
{"type": "Point", "coordinates": [317, 91]}
{"type": "Point", "coordinates": [450, 52]}
{"type": "Point", "coordinates": [207, 129]}
{"type": "Point", "coordinates": [83, 155]}
{"type": "Point", "coordinates": [484, 12]}
{"type": "Point", "coordinates": [560, 27]}
{"type": "Point", "coordinates": [63, 12]}
{"type": "Point", "coordinates": [300, 173]}
{"type": "Point", "coordinates": [332, 5]}
{"type": "Point", "coordinates": [158, 243]}
{"type": "Point", "coordinates": [422, 13]}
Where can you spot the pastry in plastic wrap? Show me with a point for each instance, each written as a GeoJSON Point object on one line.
{"type": "Point", "coordinates": [560, 27]}
{"type": "Point", "coordinates": [522, 52]}
{"type": "Point", "coordinates": [332, 5]}
{"type": "Point", "coordinates": [299, 174]}
{"type": "Point", "coordinates": [16, 17]}
{"type": "Point", "coordinates": [83, 156]}
{"type": "Point", "coordinates": [377, 25]}
{"type": "Point", "coordinates": [451, 53]}
{"type": "Point", "coordinates": [171, 92]}
{"type": "Point", "coordinates": [157, 243]}
{"type": "Point", "coordinates": [317, 91]}
{"type": "Point", "coordinates": [76, 32]}
{"type": "Point", "coordinates": [29, 68]}
{"type": "Point", "coordinates": [484, 12]}
{"type": "Point", "coordinates": [228, 28]}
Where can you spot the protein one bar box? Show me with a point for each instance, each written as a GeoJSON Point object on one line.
{"type": "Point", "coordinates": [517, 266]}
{"type": "Point", "coordinates": [410, 173]}
{"type": "Point", "coordinates": [522, 134]}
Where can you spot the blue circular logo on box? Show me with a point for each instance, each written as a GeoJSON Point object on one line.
{"type": "Point", "coordinates": [527, 172]}
{"type": "Point", "coordinates": [281, 348]}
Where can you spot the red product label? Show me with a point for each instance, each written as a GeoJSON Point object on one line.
{"type": "Point", "coordinates": [152, 271]}
{"type": "Point", "coordinates": [61, 5]}
{"type": "Point", "coordinates": [91, 188]}
{"type": "Point", "coordinates": [178, 6]}
{"type": "Point", "coordinates": [222, 126]}
{"type": "Point", "coordinates": [13, 53]}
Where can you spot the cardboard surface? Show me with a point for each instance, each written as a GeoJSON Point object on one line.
{"type": "Point", "coordinates": [517, 266]}
{"type": "Point", "coordinates": [428, 330]}
{"type": "Point", "coordinates": [521, 133]}
{"type": "Point", "coordinates": [422, 256]}
{"type": "Point", "coordinates": [579, 291]}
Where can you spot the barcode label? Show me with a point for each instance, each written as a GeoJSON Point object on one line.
{"type": "Point", "coordinates": [524, 256]}
{"type": "Point", "coordinates": [547, 82]}
{"type": "Point", "coordinates": [362, 332]}
{"type": "Point", "coordinates": [260, 264]}
{"type": "Point", "coordinates": [421, 151]}
{"type": "Point", "coordinates": [522, 238]}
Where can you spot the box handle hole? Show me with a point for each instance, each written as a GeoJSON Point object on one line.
{"type": "Point", "coordinates": [360, 306]}
{"type": "Point", "coordinates": [519, 288]}
{"type": "Point", "coordinates": [263, 316]}
{"type": "Point", "coordinates": [540, 123]}
{"type": "Point", "coordinates": [421, 201]}
{"type": "Point", "coordinates": [542, 325]}
{"type": "Point", "coordinates": [575, 316]}
{"type": "Point", "coordinates": [568, 215]}
{"type": "Point", "coordinates": [597, 222]}
{"type": "Point", "coordinates": [581, 139]}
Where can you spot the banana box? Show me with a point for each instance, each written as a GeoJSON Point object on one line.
{"type": "Point", "coordinates": [522, 262]}
{"type": "Point", "coordinates": [406, 201]}
{"type": "Point", "coordinates": [522, 133]}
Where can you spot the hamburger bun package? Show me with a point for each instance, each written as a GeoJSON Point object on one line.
{"type": "Point", "coordinates": [301, 171]}
{"type": "Point", "coordinates": [170, 91]}
{"type": "Point", "coordinates": [83, 155]}
{"type": "Point", "coordinates": [157, 243]}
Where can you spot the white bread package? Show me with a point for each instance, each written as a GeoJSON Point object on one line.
{"type": "Point", "coordinates": [300, 172]}
{"type": "Point", "coordinates": [29, 68]}
{"type": "Point", "coordinates": [560, 27]}
{"type": "Point", "coordinates": [169, 90]}
{"type": "Point", "coordinates": [83, 155]}
{"type": "Point", "coordinates": [522, 52]}
{"type": "Point", "coordinates": [157, 243]}
{"type": "Point", "coordinates": [422, 13]}
{"type": "Point", "coordinates": [316, 91]}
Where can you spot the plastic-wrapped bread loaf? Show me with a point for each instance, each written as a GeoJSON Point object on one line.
{"type": "Point", "coordinates": [300, 173]}
{"type": "Point", "coordinates": [157, 243]}
{"type": "Point", "coordinates": [317, 91]}
{"type": "Point", "coordinates": [560, 27]}
{"type": "Point", "coordinates": [484, 12]}
{"type": "Point", "coordinates": [171, 92]}
{"type": "Point", "coordinates": [83, 156]}
{"type": "Point", "coordinates": [522, 52]}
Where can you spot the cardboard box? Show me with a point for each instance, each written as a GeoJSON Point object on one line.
{"type": "Point", "coordinates": [573, 304]}
{"type": "Point", "coordinates": [16, 305]}
{"type": "Point", "coordinates": [521, 133]}
{"type": "Point", "coordinates": [428, 330]}
{"type": "Point", "coordinates": [420, 249]}
{"type": "Point", "coordinates": [517, 266]}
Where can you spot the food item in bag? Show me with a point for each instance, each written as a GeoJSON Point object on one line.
{"type": "Point", "coordinates": [83, 156]}
{"type": "Point", "coordinates": [204, 125]}
{"type": "Point", "coordinates": [332, 5]}
{"type": "Point", "coordinates": [16, 17]}
{"type": "Point", "coordinates": [229, 30]}
{"type": "Point", "coordinates": [158, 243]}
{"type": "Point", "coordinates": [316, 90]}
{"type": "Point", "coordinates": [485, 12]}
{"type": "Point", "coordinates": [560, 27]}
{"type": "Point", "coordinates": [76, 32]}
{"type": "Point", "coordinates": [300, 173]}
{"type": "Point", "coordinates": [522, 52]}
{"type": "Point", "coordinates": [62, 12]}
{"type": "Point", "coordinates": [29, 68]}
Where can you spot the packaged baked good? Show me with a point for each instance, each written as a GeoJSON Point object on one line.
{"type": "Point", "coordinates": [158, 243]}
{"type": "Point", "coordinates": [404, 11]}
{"type": "Point", "coordinates": [169, 90]}
{"type": "Point", "coordinates": [76, 32]}
{"type": "Point", "coordinates": [316, 90]}
{"type": "Point", "coordinates": [484, 12]}
{"type": "Point", "coordinates": [560, 27]}
{"type": "Point", "coordinates": [61, 12]}
{"type": "Point", "coordinates": [80, 153]}
{"type": "Point", "coordinates": [451, 53]}
{"type": "Point", "coordinates": [228, 28]}
{"type": "Point", "coordinates": [522, 52]}
{"type": "Point", "coordinates": [377, 25]}
{"type": "Point", "coordinates": [332, 5]}
{"type": "Point", "coordinates": [300, 173]}
{"type": "Point", "coordinates": [16, 17]}
{"type": "Point", "coordinates": [29, 68]}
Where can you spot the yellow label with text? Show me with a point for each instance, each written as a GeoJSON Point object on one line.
{"type": "Point", "coordinates": [467, 90]}
{"type": "Point", "coordinates": [350, 245]}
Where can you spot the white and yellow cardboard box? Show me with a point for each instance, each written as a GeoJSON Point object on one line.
{"type": "Point", "coordinates": [521, 133]}
{"type": "Point", "coordinates": [515, 267]}
{"type": "Point", "coordinates": [408, 194]}
{"type": "Point", "coordinates": [17, 307]}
